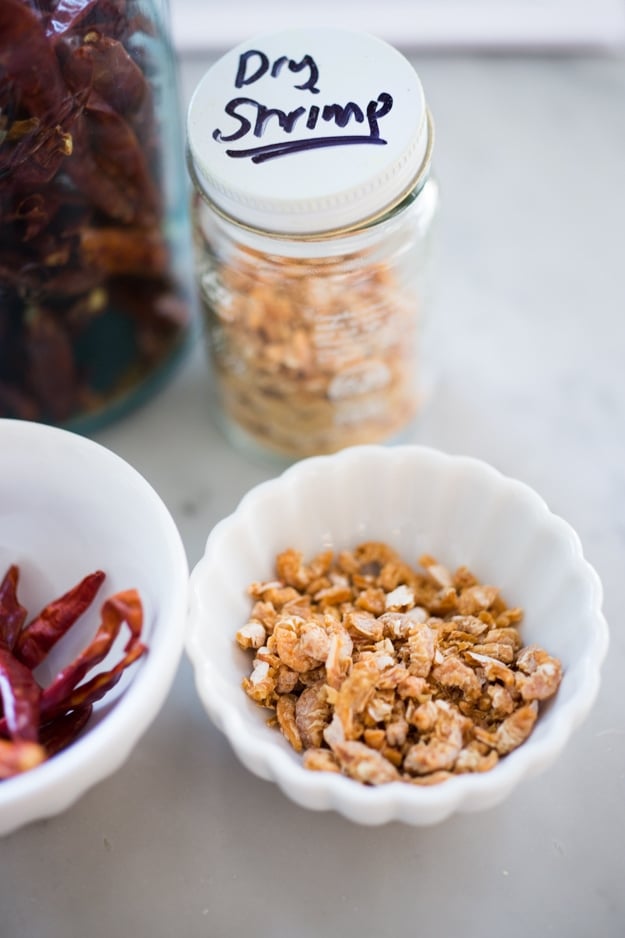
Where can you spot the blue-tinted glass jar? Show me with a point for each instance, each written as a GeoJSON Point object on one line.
{"type": "Point", "coordinates": [94, 221]}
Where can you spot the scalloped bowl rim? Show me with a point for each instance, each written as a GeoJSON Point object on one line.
{"type": "Point", "coordinates": [394, 801]}
{"type": "Point", "coordinates": [101, 749]}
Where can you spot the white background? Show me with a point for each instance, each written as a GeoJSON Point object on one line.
{"type": "Point", "coordinates": [204, 24]}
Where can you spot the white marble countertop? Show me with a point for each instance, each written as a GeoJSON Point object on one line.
{"type": "Point", "coordinates": [529, 346]}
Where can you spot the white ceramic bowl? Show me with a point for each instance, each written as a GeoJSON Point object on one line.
{"type": "Point", "coordinates": [417, 500]}
{"type": "Point", "coordinates": [69, 506]}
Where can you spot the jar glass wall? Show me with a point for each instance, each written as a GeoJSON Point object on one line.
{"type": "Point", "coordinates": [95, 241]}
{"type": "Point", "coordinates": [315, 342]}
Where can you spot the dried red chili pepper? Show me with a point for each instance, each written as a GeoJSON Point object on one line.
{"type": "Point", "coordinates": [12, 613]}
{"type": "Point", "coordinates": [20, 697]}
{"type": "Point", "coordinates": [70, 15]}
{"type": "Point", "coordinates": [51, 372]}
{"type": "Point", "coordinates": [38, 156]}
{"type": "Point", "coordinates": [123, 607]}
{"type": "Point", "coordinates": [30, 66]}
{"type": "Point", "coordinates": [103, 63]}
{"type": "Point", "coordinates": [44, 631]}
{"type": "Point", "coordinates": [71, 283]}
{"type": "Point", "coordinates": [57, 734]}
{"type": "Point", "coordinates": [109, 165]}
{"type": "Point", "coordinates": [41, 723]}
{"type": "Point", "coordinates": [93, 690]}
{"type": "Point", "coordinates": [34, 88]}
{"type": "Point", "coordinates": [127, 250]}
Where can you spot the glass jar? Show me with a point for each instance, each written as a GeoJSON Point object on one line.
{"type": "Point", "coordinates": [94, 221]}
{"type": "Point", "coordinates": [312, 287]}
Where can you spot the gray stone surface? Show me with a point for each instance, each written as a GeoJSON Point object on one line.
{"type": "Point", "coordinates": [527, 340]}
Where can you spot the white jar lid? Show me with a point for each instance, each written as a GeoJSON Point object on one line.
{"type": "Point", "coordinates": [308, 130]}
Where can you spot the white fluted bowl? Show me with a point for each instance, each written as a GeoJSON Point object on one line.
{"type": "Point", "coordinates": [68, 507]}
{"type": "Point", "coordinates": [417, 500]}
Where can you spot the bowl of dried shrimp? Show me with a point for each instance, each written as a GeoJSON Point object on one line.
{"type": "Point", "coordinates": [395, 633]}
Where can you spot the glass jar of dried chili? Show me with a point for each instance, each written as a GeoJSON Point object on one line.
{"type": "Point", "coordinates": [94, 223]}
{"type": "Point", "coordinates": [310, 152]}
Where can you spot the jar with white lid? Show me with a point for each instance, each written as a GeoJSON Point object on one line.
{"type": "Point", "coordinates": [310, 152]}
